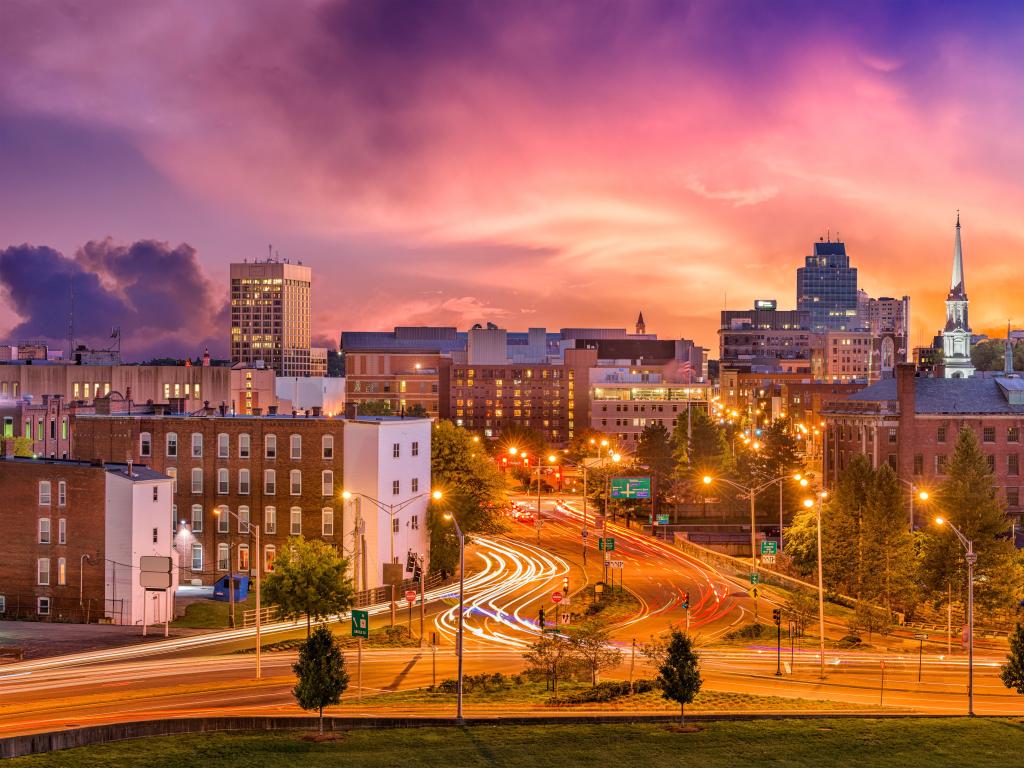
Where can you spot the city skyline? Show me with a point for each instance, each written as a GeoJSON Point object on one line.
{"type": "Point", "coordinates": [611, 178]}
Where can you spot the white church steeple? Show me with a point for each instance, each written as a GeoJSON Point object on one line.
{"type": "Point", "coordinates": [956, 336]}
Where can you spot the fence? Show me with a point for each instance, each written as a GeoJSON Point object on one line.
{"type": "Point", "coordinates": [65, 610]}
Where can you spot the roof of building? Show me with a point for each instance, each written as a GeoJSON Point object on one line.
{"type": "Point", "coordinates": [933, 395]}
{"type": "Point", "coordinates": [140, 473]}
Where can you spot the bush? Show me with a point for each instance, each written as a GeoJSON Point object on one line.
{"type": "Point", "coordinates": [479, 683]}
{"type": "Point", "coordinates": [606, 691]}
{"type": "Point", "coordinates": [749, 632]}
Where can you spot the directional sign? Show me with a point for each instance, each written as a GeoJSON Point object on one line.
{"type": "Point", "coordinates": [613, 563]}
{"type": "Point", "coordinates": [921, 636]}
{"type": "Point", "coordinates": [360, 623]}
{"type": "Point", "coordinates": [754, 592]}
{"type": "Point", "coordinates": [768, 559]}
{"type": "Point", "coordinates": [661, 519]}
{"type": "Point", "coordinates": [755, 578]}
{"type": "Point", "coordinates": [556, 597]}
{"type": "Point", "coordinates": [631, 487]}
{"type": "Point", "coordinates": [606, 543]}
{"type": "Point", "coordinates": [769, 547]}
{"type": "Point", "coordinates": [410, 595]}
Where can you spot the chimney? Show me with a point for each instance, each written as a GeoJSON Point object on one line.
{"type": "Point", "coordinates": [351, 409]}
{"type": "Point", "coordinates": [206, 358]}
{"type": "Point", "coordinates": [906, 375]}
{"type": "Point", "coordinates": [101, 406]}
{"type": "Point", "coordinates": [317, 411]}
{"type": "Point", "coordinates": [271, 410]}
{"type": "Point", "coordinates": [257, 411]}
{"type": "Point", "coordinates": [223, 408]}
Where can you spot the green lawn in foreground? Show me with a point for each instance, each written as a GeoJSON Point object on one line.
{"type": "Point", "coordinates": [864, 743]}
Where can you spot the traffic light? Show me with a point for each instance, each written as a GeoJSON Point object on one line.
{"type": "Point", "coordinates": [686, 600]}
{"type": "Point", "coordinates": [540, 619]}
{"type": "Point", "coordinates": [777, 616]}
{"type": "Point", "coordinates": [565, 585]}
{"type": "Point", "coordinates": [410, 561]}
{"type": "Point", "coordinates": [417, 570]}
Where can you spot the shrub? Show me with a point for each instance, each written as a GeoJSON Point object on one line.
{"type": "Point", "coordinates": [606, 691]}
{"type": "Point", "coordinates": [749, 632]}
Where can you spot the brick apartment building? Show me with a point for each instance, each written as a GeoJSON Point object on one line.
{"type": "Point", "coordinates": [45, 421]}
{"type": "Point", "coordinates": [73, 533]}
{"type": "Point", "coordinates": [912, 422]}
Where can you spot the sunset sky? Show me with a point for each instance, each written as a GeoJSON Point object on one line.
{"type": "Point", "coordinates": [545, 163]}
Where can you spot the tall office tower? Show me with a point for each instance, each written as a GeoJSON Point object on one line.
{"type": "Point", "coordinates": [956, 336]}
{"type": "Point", "coordinates": [826, 286]}
{"type": "Point", "coordinates": [270, 315]}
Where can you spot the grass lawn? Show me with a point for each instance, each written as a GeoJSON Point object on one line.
{"type": "Point", "coordinates": [212, 614]}
{"type": "Point", "coordinates": [859, 743]}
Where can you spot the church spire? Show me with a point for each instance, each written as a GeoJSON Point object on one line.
{"type": "Point", "coordinates": [641, 326]}
{"type": "Point", "coordinates": [957, 289]}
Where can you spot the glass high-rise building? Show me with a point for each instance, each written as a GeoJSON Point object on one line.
{"type": "Point", "coordinates": [826, 287]}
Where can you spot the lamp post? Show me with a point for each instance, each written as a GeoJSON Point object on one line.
{"type": "Point", "coordinates": [972, 559]}
{"type": "Point", "coordinates": [553, 459]}
{"type": "Point", "coordinates": [254, 532]}
{"type": "Point", "coordinates": [751, 493]}
{"type": "Point", "coordinates": [462, 593]}
{"type": "Point", "coordinates": [821, 587]}
{"type": "Point", "coordinates": [921, 495]}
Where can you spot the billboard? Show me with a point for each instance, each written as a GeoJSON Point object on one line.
{"type": "Point", "coordinates": [631, 487]}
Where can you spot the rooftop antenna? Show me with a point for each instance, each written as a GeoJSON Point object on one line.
{"type": "Point", "coordinates": [270, 251]}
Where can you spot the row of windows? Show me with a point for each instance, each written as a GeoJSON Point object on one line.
{"type": "Point", "coordinates": [44, 531]}
{"type": "Point", "coordinates": [43, 571]}
{"type": "Point", "coordinates": [941, 461]}
{"type": "Point", "coordinates": [244, 446]}
{"type": "Point", "coordinates": [46, 493]}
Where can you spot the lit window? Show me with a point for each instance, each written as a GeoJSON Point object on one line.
{"type": "Point", "coordinates": [269, 555]}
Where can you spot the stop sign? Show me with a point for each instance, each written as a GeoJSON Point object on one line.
{"type": "Point", "coordinates": [556, 597]}
{"type": "Point", "coordinates": [410, 595]}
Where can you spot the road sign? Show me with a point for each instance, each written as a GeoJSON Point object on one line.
{"type": "Point", "coordinates": [920, 636]}
{"type": "Point", "coordinates": [631, 487]}
{"type": "Point", "coordinates": [606, 543]}
{"type": "Point", "coordinates": [661, 519]}
{"type": "Point", "coordinates": [769, 547]}
{"type": "Point", "coordinates": [360, 623]}
{"type": "Point", "coordinates": [410, 595]}
{"type": "Point", "coordinates": [755, 578]}
{"type": "Point", "coordinates": [155, 572]}
{"type": "Point", "coordinates": [613, 563]}
{"type": "Point", "coordinates": [768, 559]}
{"type": "Point", "coordinates": [754, 592]}
{"type": "Point", "coordinates": [556, 597]}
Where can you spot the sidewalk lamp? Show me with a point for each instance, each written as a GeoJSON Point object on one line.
{"type": "Point", "coordinates": [462, 592]}
{"type": "Point", "coordinates": [915, 493]}
{"type": "Point", "coordinates": [809, 503]}
{"type": "Point", "coordinates": [972, 559]}
{"type": "Point", "coordinates": [751, 492]}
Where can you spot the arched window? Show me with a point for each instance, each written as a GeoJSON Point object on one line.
{"type": "Point", "coordinates": [327, 482]}
{"type": "Point", "coordinates": [145, 444]}
{"type": "Point", "coordinates": [243, 520]}
{"type": "Point", "coordinates": [295, 482]}
{"type": "Point", "coordinates": [269, 555]}
{"type": "Point", "coordinates": [327, 521]}
{"type": "Point", "coordinates": [295, 521]}
{"type": "Point", "coordinates": [327, 446]}
{"type": "Point", "coordinates": [223, 557]}
{"type": "Point", "coordinates": [270, 520]}
{"type": "Point", "coordinates": [270, 446]}
{"type": "Point", "coordinates": [223, 446]}
{"type": "Point", "coordinates": [243, 482]}
{"type": "Point", "coordinates": [197, 518]}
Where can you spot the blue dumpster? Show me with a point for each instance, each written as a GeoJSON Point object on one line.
{"type": "Point", "coordinates": [220, 589]}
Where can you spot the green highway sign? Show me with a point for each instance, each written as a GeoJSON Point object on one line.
{"type": "Point", "coordinates": [755, 578]}
{"type": "Point", "coordinates": [769, 547]}
{"type": "Point", "coordinates": [631, 487]}
{"type": "Point", "coordinates": [360, 623]}
{"type": "Point", "coordinates": [607, 544]}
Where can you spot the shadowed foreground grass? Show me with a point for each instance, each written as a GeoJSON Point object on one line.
{"type": "Point", "coordinates": [864, 743]}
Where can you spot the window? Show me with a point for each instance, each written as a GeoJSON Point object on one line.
{"type": "Point", "coordinates": [172, 445]}
{"type": "Point", "coordinates": [223, 446]}
{"type": "Point", "coordinates": [396, 450]}
{"type": "Point", "coordinates": [43, 572]}
{"type": "Point", "coordinates": [223, 557]}
{"type": "Point", "coordinates": [269, 555]}
{"type": "Point", "coordinates": [62, 531]}
{"type": "Point", "coordinates": [197, 518]}
{"type": "Point", "coordinates": [270, 520]}
{"type": "Point", "coordinates": [1013, 464]}
{"type": "Point", "coordinates": [1013, 434]}
{"type": "Point", "coordinates": [145, 444]}
{"type": "Point", "coordinates": [892, 460]}
{"type": "Point", "coordinates": [244, 446]}
{"type": "Point", "coordinates": [892, 434]}
{"type": "Point", "coordinates": [270, 446]}
{"type": "Point", "coordinates": [1013, 497]}
{"type": "Point", "coordinates": [44, 530]}
{"type": "Point", "coordinates": [197, 558]}
{"type": "Point", "coordinates": [156, 535]}
{"type": "Point", "coordinates": [197, 479]}
{"type": "Point", "coordinates": [197, 445]}
{"type": "Point", "coordinates": [396, 487]}
{"type": "Point", "coordinates": [243, 482]}
{"type": "Point", "coordinates": [415, 449]}
{"type": "Point", "coordinates": [940, 464]}
{"type": "Point", "coordinates": [43, 606]}
{"type": "Point", "coordinates": [44, 493]}
{"type": "Point", "coordinates": [327, 446]}
{"type": "Point", "coordinates": [223, 481]}
{"type": "Point", "coordinates": [988, 434]}
{"type": "Point", "coordinates": [296, 446]}
{"type": "Point", "coordinates": [3, 604]}
{"type": "Point", "coordinates": [395, 524]}
{"type": "Point", "coordinates": [243, 520]}
{"type": "Point", "coordinates": [414, 522]}
{"type": "Point", "coordinates": [243, 558]}
{"type": "Point", "coordinates": [223, 523]}
{"type": "Point", "coordinates": [295, 482]}
{"type": "Point", "coordinates": [327, 522]}
{"type": "Point", "coordinates": [269, 482]}
{"type": "Point", "coordinates": [62, 494]}
{"type": "Point", "coordinates": [295, 521]}
{"type": "Point", "coordinates": [991, 461]}
{"type": "Point", "coordinates": [918, 464]}
{"type": "Point", "coordinates": [414, 484]}
{"type": "Point", "coordinates": [940, 435]}
{"type": "Point", "coordinates": [62, 571]}
{"type": "Point", "coordinates": [327, 483]}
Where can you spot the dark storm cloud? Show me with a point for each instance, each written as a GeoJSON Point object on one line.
{"type": "Point", "coordinates": [156, 294]}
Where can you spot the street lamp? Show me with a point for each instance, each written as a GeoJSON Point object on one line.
{"type": "Point", "coordinates": [971, 558]}
{"type": "Point", "coordinates": [808, 503]}
{"type": "Point", "coordinates": [751, 493]}
{"type": "Point", "coordinates": [580, 465]}
{"type": "Point", "coordinates": [921, 495]}
{"type": "Point", "coordinates": [254, 531]}
{"type": "Point", "coordinates": [462, 592]}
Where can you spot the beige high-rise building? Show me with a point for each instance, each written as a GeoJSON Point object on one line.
{"type": "Point", "coordinates": [270, 306]}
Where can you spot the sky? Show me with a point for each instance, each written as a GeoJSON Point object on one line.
{"type": "Point", "coordinates": [529, 163]}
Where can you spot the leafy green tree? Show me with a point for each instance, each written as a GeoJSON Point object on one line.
{"type": "Point", "coordinates": [704, 451]}
{"type": "Point", "coordinates": [591, 641]}
{"type": "Point", "coordinates": [871, 619]}
{"type": "Point", "coordinates": [778, 456]}
{"type": "Point", "coordinates": [888, 556]}
{"type": "Point", "coordinates": [843, 528]}
{"type": "Point", "coordinates": [581, 447]}
{"type": "Point", "coordinates": [654, 453]}
{"type": "Point", "coordinates": [416, 411]}
{"type": "Point", "coordinates": [988, 355]}
{"type": "Point", "coordinates": [321, 672]}
{"type": "Point", "coordinates": [554, 657]}
{"type": "Point", "coordinates": [376, 408]}
{"type": "Point", "coordinates": [1012, 672]}
{"type": "Point", "coordinates": [968, 499]}
{"type": "Point", "coordinates": [473, 488]}
{"type": "Point", "coordinates": [678, 673]}
{"type": "Point", "coordinates": [800, 608]}
{"type": "Point", "coordinates": [22, 446]}
{"type": "Point", "coordinates": [310, 578]}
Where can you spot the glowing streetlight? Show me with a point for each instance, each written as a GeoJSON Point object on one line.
{"type": "Point", "coordinates": [972, 560]}
{"type": "Point", "coordinates": [513, 450]}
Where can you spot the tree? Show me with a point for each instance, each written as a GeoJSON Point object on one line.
{"type": "Point", "coordinates": [591, 642]}
{"type": "Point", "coordinates": [800, 607]}
{"type": "Point", "coordinates": [22, 446]}
{"type": "Point", "coordinates": [843, 528]}
{"type": "Point", "coordinates": [321, 672]}
{"type": "Point", "coordinates": [678, 674]}
{"type": "Point", "coordinates": [310, 578]}
{"type": "Point", "coordinates": [554, 657]}
{"type": "Point", "coordinates": [654, 452]}
{"type": "Point", "coordinates": [869, 618]}
{"type": "Point", "coordinates": [778, 456]}
{"type": "Point", "coordinates": [888, 557]}
{"type": "Point", "coordinates": [473, 488]}
{"type": "Point", "coordinates": [376, 408]}
{"type": "Point", "coordinates": [968, 499]}
{"type": "Point", "coordinates": [1012, 672]}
